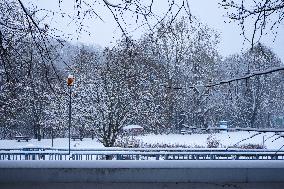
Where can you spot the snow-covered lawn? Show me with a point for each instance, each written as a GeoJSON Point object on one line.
{"type": "Point", "coordinates": [226, 139]}
{"type": "Point", "coordinates": [57, 143]}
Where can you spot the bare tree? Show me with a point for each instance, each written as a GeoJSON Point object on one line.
{"type": "Point", "coordinates": [143, 13]}
{"type": "Point", "coordinates": [20, 27]}
{"type": "Point", "coordinates": [188, 53]}
{"type": "Point", "coordinates": [19, 20]}
{"type": "Point", "coordinates": [266, 15]}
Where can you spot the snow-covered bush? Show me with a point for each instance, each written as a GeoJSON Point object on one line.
{"type": "Point", "coordinates": [127, 142]}
{"type": "Point", "coordinates": [212, 142]}
{"type": "Point", "coordinates": [164, 145]}
{"type": "Point", "coordinates": [249, 146]}
{"type": "Point", "coordinates": [198, 146]}
{"type": "Point", "coordinates": [252, 146]}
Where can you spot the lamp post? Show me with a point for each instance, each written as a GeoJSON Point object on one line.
{"type": "Point", "coordinates": [92, 133]}
{"type": "Point", "coordinates": [70, 82]}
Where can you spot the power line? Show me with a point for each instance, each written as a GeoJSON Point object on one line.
{"type": "Point", "coordinates": [253, 74]}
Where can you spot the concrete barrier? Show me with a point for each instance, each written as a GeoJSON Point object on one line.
{"type": "Point", "coordinates": [142, 174]}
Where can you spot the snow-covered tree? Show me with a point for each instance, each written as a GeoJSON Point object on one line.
{"type": "Point", "coordinates": [188, 52]}
{"type": "Point", "coordinates": [253, 101]}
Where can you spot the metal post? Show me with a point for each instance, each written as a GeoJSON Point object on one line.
{"type": "Point", "coordinates": [52, 136]}
{"type": "Point", "coordinates": [263, 141]}
{"type": "Point", "coordinates": [70, 106]}
{"type": "Point", "coordinates": [92, 132]}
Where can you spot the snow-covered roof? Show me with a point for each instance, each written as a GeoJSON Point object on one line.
{"type": "Point", "coordinates": [129, 127]}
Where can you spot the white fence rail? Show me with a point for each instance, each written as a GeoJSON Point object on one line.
{"type": "Point", "coordinates": [139, 154]}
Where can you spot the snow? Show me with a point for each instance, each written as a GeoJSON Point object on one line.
{"type": "Point", "coordinates": [226, 139]}
{"type": "Point", "coordinates": [70, 76]}
{"type": "Point", "coordinates": [129, 127]}
{"type": "Point", "coordinates": [193, 140]}
{"type": "Point", "coordinates": [46, 143]}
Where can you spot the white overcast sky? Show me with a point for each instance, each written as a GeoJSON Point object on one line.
{"type": "Point", "coordinates": [207, 11]}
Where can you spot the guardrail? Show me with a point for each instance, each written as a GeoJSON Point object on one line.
{"type": "Point", "coordinates": [142, 154]}
{"type": "Point", "coordinates": [142, 174]}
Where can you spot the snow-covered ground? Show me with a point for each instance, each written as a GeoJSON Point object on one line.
{"type": "Point", "coordinates": [57, 143]}
{"type": "Point", "coordinates": [226, 139]}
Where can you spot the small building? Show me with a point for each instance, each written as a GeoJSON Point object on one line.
{"type": "Point", "coordinates": [223, 125]}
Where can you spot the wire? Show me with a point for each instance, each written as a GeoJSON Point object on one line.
{"type": "Point", "coordinates": [253, 74]}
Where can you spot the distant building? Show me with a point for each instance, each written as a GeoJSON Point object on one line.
{"type": "Point", "coordinates": [223, 125]}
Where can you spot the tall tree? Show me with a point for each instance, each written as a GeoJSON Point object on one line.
{"type": "Point", "coordinates": [253, 101]}
{"type": "Point", "coordinates": [189, 54]}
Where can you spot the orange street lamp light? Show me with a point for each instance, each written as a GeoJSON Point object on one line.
{"type": "Point", "coordinates": [70, 80]}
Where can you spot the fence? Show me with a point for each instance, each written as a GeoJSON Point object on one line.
{"type": "Point", "coordinates": [139, 154]}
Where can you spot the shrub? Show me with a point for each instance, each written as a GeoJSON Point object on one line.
{"type": "Point", "coordinates": [252, 146]}
{"type": "Point", "coordinates": [128, 142]}
{"type": "Point", "coordinates": [212, 142]}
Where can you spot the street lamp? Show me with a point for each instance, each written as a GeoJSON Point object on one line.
{"type": "Point", "coordinates": [92, 133]}
{"type": "Point", "coordinates": [70, 83]}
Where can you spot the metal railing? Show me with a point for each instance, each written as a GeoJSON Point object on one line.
{"type": "Point", "coordinates": [139, 154]}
